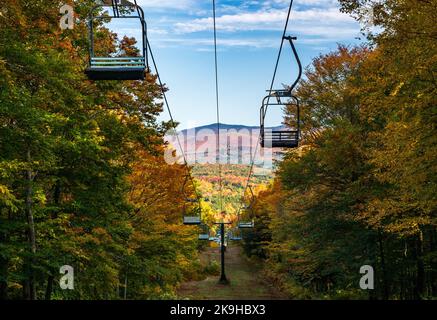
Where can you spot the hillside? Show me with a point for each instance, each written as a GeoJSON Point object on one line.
{"type": "Point", "coordinates": [234, 181]}
{"type": "Point", "coordinates": [238, 143]}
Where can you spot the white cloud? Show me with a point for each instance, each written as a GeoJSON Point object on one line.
{"type": "Point", "coordinates": [245, 24]}
{"type": "Point", "coordinates": [157, 31]}
{"type": "Point", "coordinates": [268, 20]}
{"type": "Point", "coordinates": [166, 4]}
{"type": "Point", "coordinates": [206, 44]}
{"type": "Point", "coordinates": [300, 3]}
{"type": "Point", "coordinates": [328, 36]}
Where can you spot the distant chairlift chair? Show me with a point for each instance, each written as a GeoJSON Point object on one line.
{"type": "Point", "coordinates": [281, 98]}
{"type": "Point", "coordinates": [246, 224]}
{"type": "Point", "coordinates": [204, 234]}
{"type": "Point", "coordinates": [195, 215]}
{"type": "Point", "coordinates": [192, 218]}
{"type": "Point", "coordinates": [118, 68]}
{"type": "Point", "coordinates": [235, 235]}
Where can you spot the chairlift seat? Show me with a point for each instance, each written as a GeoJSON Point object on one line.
{"type": "Point", "coordinates": [193, 220]}
{"type": "Point", "coordinates": [246, 225]}
{"type": "Point", "coordinates": [236, 238]}
{"type": "Point", "coordinates": [280, 139]}
{"type": "Point", "coordinates": [116, 68]}
{"type": "Point", "coordinates": [204, 237]}
{"type": "Point", "coordinates": [282, 93]}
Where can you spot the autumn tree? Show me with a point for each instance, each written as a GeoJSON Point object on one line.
{"type": "Point", "coordinates": [361, 189]}
{"type": "Point", "coordinates": [68, 146]}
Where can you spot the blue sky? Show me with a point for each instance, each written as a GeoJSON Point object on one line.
{"type": "Point", "coordinates": [249, 34]}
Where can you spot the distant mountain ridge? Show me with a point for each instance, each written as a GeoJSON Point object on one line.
{"type": "Point", "coordinates": [224, 126]}
{"type": "Point", "coordinates": [237, 144]}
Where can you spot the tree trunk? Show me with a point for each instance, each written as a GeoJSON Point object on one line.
{"type": "Point", "coordinates": [3, 272]}
{"type": "Point", "coordinates": [3, 290]}
{"type": "Point", "coordinates": [433, 271]}
{"type": "Point", "coordinates": [31, 229]}
{"type": "Point", "coordinates": [385, 290]}
{"type": "Point", "coordinates": [51, 277]}
{"type": "Point", "coordinates": [420, 280]}
{"type": "Point", "coordinates": [49, 288]}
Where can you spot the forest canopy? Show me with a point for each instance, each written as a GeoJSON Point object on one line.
{"type": "Point", "coordinates": [82, 177]}
{"type": "Point", "coordinates": [362, 188]}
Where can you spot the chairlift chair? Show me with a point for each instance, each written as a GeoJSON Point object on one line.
{"type": "Point", "coordinates": [192, 220]}
{"type": "Point", "coordinates": [203, 237]}
{"type": "Point", "coordinates": [118, 67]}
{"type": "Point", "coordinates": [235, 235]}
{"type": "Point", "coordinates": [204, 234]}
{"type": "Point", "coordinates": [243, 224]}
{"type": "Point", "coordinates": [280, 138]}
{"type": "Point", "coordinates": [236, 238]}
{"type": "Point", "coordinates": [246, 224]}
{"type": "Point", "coordinates": [283, 138]}
{"type": "Point", "coordinates": [194, 217]}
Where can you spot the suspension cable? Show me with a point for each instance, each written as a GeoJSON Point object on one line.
{"type": "Point", "coordinates": [252, 164]}
{"type": "Point", "coordinates": [174, 125]}
{"type": "Point", "coordinates": [217, 105]}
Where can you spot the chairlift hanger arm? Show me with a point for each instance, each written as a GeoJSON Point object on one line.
{"type": "Point", "coordinates": [296, 55]}
{"type": "Point", "coordinates": [252, 198]}
{"type": "Point", "coordinates": [286, 93]}
{"type": "Point", "coordinates": [283, 93]}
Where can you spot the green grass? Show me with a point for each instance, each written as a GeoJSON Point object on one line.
{"type": "Point", "coordinates": [245, 281]}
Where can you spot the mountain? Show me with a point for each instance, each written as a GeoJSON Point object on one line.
{"type": "Point", "coordinates": [224, 126]}
{"type": "Point", "coordinates": [237, 147]}
{"type": "Point", "coordinates": [237, 144]}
